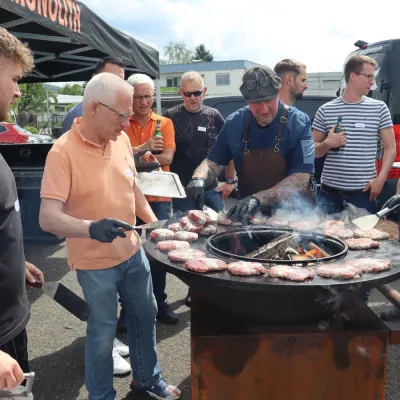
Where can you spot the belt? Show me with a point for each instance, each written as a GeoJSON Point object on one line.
{"type": "Point", "coordinates": [330, 189]}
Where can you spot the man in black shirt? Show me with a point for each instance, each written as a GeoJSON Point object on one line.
{"type": "Point", "coordinates": [196, 128]}
{"type": "Point", "coordinates": [15, 60]}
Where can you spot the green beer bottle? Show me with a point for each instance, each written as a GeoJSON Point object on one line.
{"type": "Point", "coordinates": [158, 133]}
{"type": "Point", "coordinates": [338, 129]}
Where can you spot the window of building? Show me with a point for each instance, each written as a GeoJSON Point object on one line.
{"type": "Point", "coordinates": [173, 82]}
{"type": "Point", "coordinates": [223, 79]}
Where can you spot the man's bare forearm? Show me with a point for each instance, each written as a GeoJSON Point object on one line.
{"type": "Point", "coordinates": [389, 156]}
{"type": "Point", "coordinates": [143, 209]}
{"type": "Point", "coordinates": [321, 148]}
{"type": "Point", "coordinates": [230, 172]}
{"type": "Point", "coordinates": [209, 171]}
{"type": "Point", "coordinates": [284, 189]}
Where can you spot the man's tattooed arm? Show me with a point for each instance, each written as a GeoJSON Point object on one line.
{"type": "Point", "coordinates": [209, 171]}
{"type": "Point", "coordinates": [284, 189]}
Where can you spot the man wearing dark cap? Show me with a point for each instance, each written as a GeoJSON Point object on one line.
{"type": "Point", "coordinates": [271, 146]}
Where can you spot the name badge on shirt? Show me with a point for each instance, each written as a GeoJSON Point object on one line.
{"type": "Point", "coordinates": [202, 129]}
{"type": "Point", "coordinates": [16, 205]}
{"type": "Point", "coordinates": [128, 172]}
{"type": "Point", "coordinates": [359, 125]}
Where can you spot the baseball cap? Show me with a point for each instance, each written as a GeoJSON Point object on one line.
{"type": "Point", "coordinates": [260, 83]}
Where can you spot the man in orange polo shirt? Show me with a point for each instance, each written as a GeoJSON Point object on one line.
{"type": "Point", "coordinates": [89, 195]}
{"type": "Point", "coordinates": [142, 126]}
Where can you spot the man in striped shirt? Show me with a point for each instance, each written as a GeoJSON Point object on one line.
{"type": "Point", "coordinates": [349, 172]}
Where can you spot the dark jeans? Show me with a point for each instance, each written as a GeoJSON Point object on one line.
{"type": "Point", "coordinates": [333, 202]}
{"type": "Point", "coordinates": [212, 199]}
{"type": "Point", "coordinates": [18, 350]}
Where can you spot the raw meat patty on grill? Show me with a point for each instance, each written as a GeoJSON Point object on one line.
{"type": "Point", "coordinates": [246, 268]}
{"type": "Point", "coordinates": [174, 227]}
{"type": "Point", "coordinates": [290, 273]}
{"type": "Point", "coordinates": [185, 224]}
{"type": "Point", "coordinates": [373, 234]}
{"type": "Point", "coordinates": [199, 217]}
{"type": "Point", "coordinates": [168, 245]}
{"type": "Point", "coordinates": [305, 225]}
{"type": "Point", "coordinates": [162, 234]}
{"type": "Point", "coordinates": [223, 220]}
{"type": "Point", "coordinates": [362, 244]}
{"type": "Point", "coordinates": [206, 265]}
{"type": "Point", "coordinates": [340, 233]}
{"type": "Point", "coordinates": [339, 271]}
{"type": "Point", "coordinates": [277, 221]}
{"type": "Point", "coordinates": [208, 230]}
{"type": "Point", "coordinates": [184, 255]}
{"type": "Point", "coordinates": [332, 223]}
{"type": "Point", "coordinates": [188, 236]}
{"type": "Point", "coordinates": [371, 264]}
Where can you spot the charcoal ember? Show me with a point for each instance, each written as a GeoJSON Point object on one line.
{"type": "Point", "coordinates": [275, 249]}
{"type": "Point", "coordinates": [188, 236]}
{"type": "Point", "coordinates": [204, 265]}
{"type": "Point", "coordinates": [208, 230]}
{"type": "Point", "coordinates": [184, 255]}
{"type": "Point", "coordinates": [340, 233]}
{"type": "Point", "coordinates": [362, 244]}
{"type": "Point", "coordinates": [331, 223]}
{"type": "Point", "coordinates": [339, 271]}
{"type": "Point", "coordinates": [246, 268]}
{"type": "Point", "coordinates": [371, 264]}
{"type": "Point", "coordinates": [185, 224]}
{"type": "Point", "coordinates": [199, 217]}
{"type": "Point", "coordinates": [174, 227]}
{"type": "Point", "coordinates": [162, 234]}
{"type": "Point", "coordinates": [291, 273]}
{"type": "Point", "coordinates": [168, 245]}
{"type": "Point", "coordinates": [223, 220]}
{"type": "Point", "coordinates": [374, 234]}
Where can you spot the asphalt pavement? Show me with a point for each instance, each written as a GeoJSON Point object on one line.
{"type": "Point", "coordinates": [57, 339]}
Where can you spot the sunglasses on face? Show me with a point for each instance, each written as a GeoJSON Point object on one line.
{"type": "Point", "coordinates": [197, 93]}
{"type": "Point", "coordinates": [122, 117]}
{"type": "Point", "coordinates": [252, 84]}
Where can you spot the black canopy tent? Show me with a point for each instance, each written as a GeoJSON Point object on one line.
{"type": "Point", "coordinates": [68, 39]}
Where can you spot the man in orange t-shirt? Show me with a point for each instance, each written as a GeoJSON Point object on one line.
{"type": "Point", "coordinates": [90, 197]}
{"type": "Point", "coordinates": [142, 126]}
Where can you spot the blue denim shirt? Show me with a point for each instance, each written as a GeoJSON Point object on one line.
{"type": "Point", "coordinates": [297, 146]}
{"type": "Point", "coordinates": [74, 112]}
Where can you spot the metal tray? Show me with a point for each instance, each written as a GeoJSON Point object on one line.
{"type": "Point", "coordinates": [165, 184]}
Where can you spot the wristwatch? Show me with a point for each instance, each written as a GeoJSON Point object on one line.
{"type": "Point", "coordinates": [230, 181]}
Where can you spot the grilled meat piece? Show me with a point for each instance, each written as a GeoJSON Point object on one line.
{"type": "Point", "coordinates": [291, 273]}
{"type": "Point", "coordinates": [188, 236]}
{"type": "Point", "coordinates": [186, 224]}
{"type": "Point", "coordinates": [184, 255]}
{"type": "Point", "coordinates": [303, 225]}
{"type": "Point", "coordinates": [362, 244]}
{"type": "Point", "coordinates": [223, 220]}
{"type": "Point", "coordinates": [208, 230]}
{"type": "Point", "coordinates": [206, 265]}
{"type": "Point", "coordinates": [373, 234]}
{"type": "Point", "coordinates": [331, 223]}
{"type": "Point", "coordinates": [371, 264]}
{"type": "Point", "coordinates": [162, 234]}
{"type": "Point", "coordinates": [199, 217]}
{"type": "Point", "coordinates": [339, 271]}
{"type": "Point", "coordinates": [246, 268]}
{"type": "Point", "coordinates": [174, 227]}
{"type": "Point", "coordinates": [168, 245]}
{"type": "Point", "coordinates": [340, 233]}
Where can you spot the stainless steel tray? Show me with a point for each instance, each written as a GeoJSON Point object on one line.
{"type": "Point", "coordinates": [160, 183]}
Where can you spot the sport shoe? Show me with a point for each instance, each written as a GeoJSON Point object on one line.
{"type": "Point", "coordinates": [121, 367]}
{"type": "Point", "coordinates": [160, 390]}
{"type": "Point", "coordinates": [165, 314]}
{"type": "Point", "coordinates": [122, 349]}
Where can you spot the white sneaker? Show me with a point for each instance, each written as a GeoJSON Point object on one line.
{"type": "Point", "coordinates": [122, 349]}
{"type": "Point", "coordinates": [121, 366]}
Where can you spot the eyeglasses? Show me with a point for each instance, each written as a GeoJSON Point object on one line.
{"type": "Point", "coordinates": [252, 84]}
{"type": "Point", "coordinates": [122, 117]}
{"type": "Point", "coordinates": [196, 93]}
{"type": "Point", "coordinates": [140, 98]}
{"type": "Point", "coordinates": [370, 77]}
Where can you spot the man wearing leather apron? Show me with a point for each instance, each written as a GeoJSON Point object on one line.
{"type": "Point", "coordinates": [271, 146]}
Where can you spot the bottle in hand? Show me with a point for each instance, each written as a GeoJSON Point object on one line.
{"type": "Point", "coordinates": [338, 129]}
{"type": "Point", "coordinates": [158, 133]}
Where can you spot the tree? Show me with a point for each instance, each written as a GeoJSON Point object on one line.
{"type": "Point", "coordinates": [33, 98]}
{"type": "Point", "coordinates": [177, 53]}
{"type": "Point", "coordinates": [201, 53]}
{"type": "Point", "coordinates": [75, 90]}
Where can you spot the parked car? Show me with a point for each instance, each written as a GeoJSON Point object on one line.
{"type": "Point", "coordinates": [36, 138]}
{"type": "Point", "coordinates": [12, 133]}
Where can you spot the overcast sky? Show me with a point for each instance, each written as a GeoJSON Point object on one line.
{"type": "Point", "coordinates": [320, 34]}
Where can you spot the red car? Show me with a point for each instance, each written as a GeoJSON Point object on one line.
{"type": "Point", "coordinates": [12, 133]}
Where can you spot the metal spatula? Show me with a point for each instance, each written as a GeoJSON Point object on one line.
{"type": "Point", "coordinates": [369, 221]}
{"type": "Point", "coordinates": [150, 225]}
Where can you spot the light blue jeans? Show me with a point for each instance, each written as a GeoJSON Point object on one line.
{"type": "Point", "coordinates": [132, 281]}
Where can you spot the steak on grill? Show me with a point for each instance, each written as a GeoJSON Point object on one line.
{"type": "Point", "coordinates": [186, 224]}
{"type": "Point", "coordinates": [199, 217]}
{"type": "Point", "coordinates": [291, 273]}
{"type": "Point", "coordinates": [340, 233]}
{"type": "Point", "coordinates": [304, 225]}
{"type": "Point", "coordinates": [373, 234]}
{"type": "Point", "coordinates": [246, 268]}
{"type": "Point", "coordinates": [162, 234]}
{"type": "Point", "coordinates": [339, 271]}
{"type": "Point", "coordinates": [371, 264]}
{"type": "Point", "coordinates": [184, 255]}
{"type": "Point", "coordinates": [208, 230]}
{"type": "Point", "coordinates": [174, 227]}
{"type": "Point", "coordinates": [331, 223]}
{"type": "Point", "coordinates": [188, 236]}
{"type": "Point", "coordinates": [168, 245]}
{"type": "Point", "coordinates": [362, 244]}
{"type": "Point", "coordinates": [206, 265]}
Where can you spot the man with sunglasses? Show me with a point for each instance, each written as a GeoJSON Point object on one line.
{"type": "Point", "coordinates": [349, 173]}
{"type": "Point", "coordinates": [90, 197]}
{"type": "Point", "coordinates": [270, 144]}
{"type": "Point", "coordinates": [196, 129]}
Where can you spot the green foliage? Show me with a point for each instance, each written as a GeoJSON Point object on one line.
{"type": "Point", "coordinates": [33, 98]}
{"type": "Point", "coordinates": [201, 53]}
{"type": "Point", "coordinates": [177, 53]}
{"type": "Point", "coordinates": [75, 90]}
{"type": "Point", "coordinates": [32, 129]}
